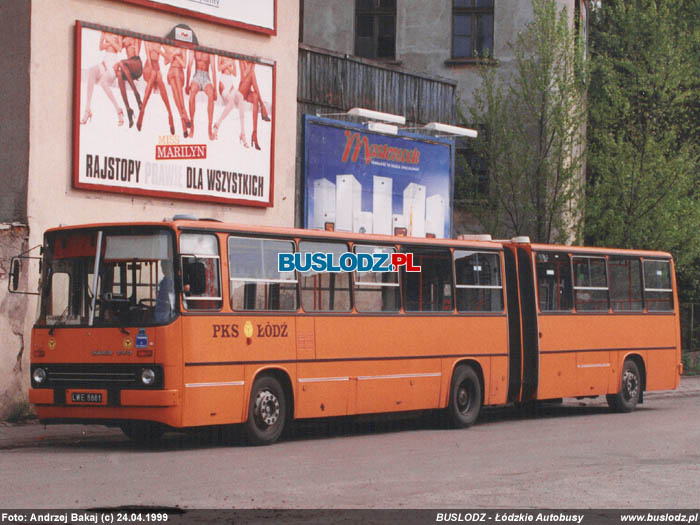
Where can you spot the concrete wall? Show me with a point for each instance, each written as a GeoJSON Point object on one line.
{"type": "Point", "coordinates": [330, 24]}
{"type": "Point", "coordinates": [50, 198]}
{"type": "Point", "coordinates": [14, 352]}
{"type": "Point", "coordinates": [14, 129]}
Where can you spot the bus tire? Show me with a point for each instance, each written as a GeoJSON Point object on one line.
{"type": "Point", "coordinates": [630, 389]}
{"type": "Point", "coordinates": [267, 411]}
{"type": "Point", "coordinates": [143, 432]}
{"type": "Point", "coordinates": [465, 397]}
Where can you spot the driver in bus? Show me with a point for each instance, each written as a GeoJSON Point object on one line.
{"type": "Point", "coordinates": [165, 300]}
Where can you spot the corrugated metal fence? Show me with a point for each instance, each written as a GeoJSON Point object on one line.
{"type": "Point", "coordinates": [332, 82]}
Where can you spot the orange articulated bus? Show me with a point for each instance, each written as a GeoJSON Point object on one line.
{"type": "Point", "coordinates": [189, 323]}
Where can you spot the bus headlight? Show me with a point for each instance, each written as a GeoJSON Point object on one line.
{"type": "Point", "coordinates": [148, 376]}
{"type": "Point", "coordinates": [39, 375]}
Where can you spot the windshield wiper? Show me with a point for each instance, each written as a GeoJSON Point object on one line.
{"type": "Point", "coordinates": [58, 324]}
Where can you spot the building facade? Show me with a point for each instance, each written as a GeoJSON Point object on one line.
{"type": "Point", "coordinates": [449, 39]}
{"type": "Point", "coordinates": [446, 38]}
{"type": "Point", "coordinates": [70, 156]}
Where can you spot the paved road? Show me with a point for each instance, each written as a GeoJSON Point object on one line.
{"type": "Point", "coordinates": [576, 455]}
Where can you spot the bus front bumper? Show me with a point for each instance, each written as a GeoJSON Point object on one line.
{"type": "Point", "coordinates": [125, 398]}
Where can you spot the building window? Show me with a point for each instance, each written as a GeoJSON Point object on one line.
{"type": "Point", "coordinates": [472, 28]}
{"type": "Point", "coordinates": [375, 29]}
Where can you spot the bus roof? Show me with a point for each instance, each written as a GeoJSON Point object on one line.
{"type": "Point", "coordinates": [497, 244]}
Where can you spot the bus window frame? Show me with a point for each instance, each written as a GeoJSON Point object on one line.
{"type": "Point", "coordinates": [348, 242]}
{"type": "Point", "coordinates": [669, 290]}
{"type": "Point", "coordinates": [639, 259]}
{"type": "Point", "coordinates": [355, 282]}
{"type": "Point", "coordinates": [296, 281]}
{"type": "Point", "coordinates": [574, 287]}
{"type": "Point", "coordinates": [185, 309]}
{"type": "Point", "coordinates": [570, 255]}
{"type": "Point", "coordinates": [406, 248]}
{"type": "Point", "coordinates": [186, 298]}
{"type": "Point", "coordinates": [477, 313]}
{"type": "Point", "coordinates": [121, 229]}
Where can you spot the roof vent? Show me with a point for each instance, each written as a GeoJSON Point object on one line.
{"type": "Point", "coordinates": [185, 217]}
{"type": "Point", "coordinates": [474, 237]}
{"type": "Point", "coordinates": [523, 239]}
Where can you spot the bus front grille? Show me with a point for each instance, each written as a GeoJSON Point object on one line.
{"type": "Point", "coordinates": [88, 375]}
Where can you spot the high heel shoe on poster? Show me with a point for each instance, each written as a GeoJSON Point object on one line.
{"type": "Point", "coordinates": [130, 115]}
{"type": "Point", "coordinates": [254, 140]}
{"type": "Point", "coordinates": [241, 139]}
{"type": "Point", "coordinates": [120, 118]}
{"type": "Point", "coordinates": [86, 117]}
{"type": "Point", "coordinates": [264, 113]}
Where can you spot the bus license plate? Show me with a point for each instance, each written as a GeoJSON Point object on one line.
{"type": "Point", "coordinates": [86, 397]}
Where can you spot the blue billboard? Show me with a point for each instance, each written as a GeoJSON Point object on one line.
{"type": "Point", "coordinates": [364, 181]}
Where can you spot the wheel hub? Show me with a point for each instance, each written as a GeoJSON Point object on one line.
{"type": "Point", "coordinates": [631, 384]}
{"type": "Point", "coordinates": [267, 408]}
{"type": "Point", "coordinates": [463, 398]}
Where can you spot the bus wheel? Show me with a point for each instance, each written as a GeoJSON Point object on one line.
{"type": "Point", "coordinates": [143, 432]}
{"type": "Point", "coordinates": [630, 389]}
{"type": "Point", "coordinates": [267, 411]}
{"type": "Point", "coordinates": [465, 397]}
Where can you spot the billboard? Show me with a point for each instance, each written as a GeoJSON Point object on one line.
{"type": "Point", "coordinates": [256, 16]}
{"type": "Point", "coordinates": [368, 182]}
{"type": "Point", "coordinates": [158, 118]}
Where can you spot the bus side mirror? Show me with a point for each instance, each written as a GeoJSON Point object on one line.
{"type": "Point", "coordinates": [15, 269]}
{"type": "Point", "coordinates": [195, 277]}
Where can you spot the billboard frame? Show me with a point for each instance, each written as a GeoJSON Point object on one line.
{"type": "Point", "coordinates": [314, 120]}
{"type": "Point", "coordinates": [174, 195]}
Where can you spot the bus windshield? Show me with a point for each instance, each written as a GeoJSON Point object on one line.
{"type": "Point", "coordinates": [134, 286]}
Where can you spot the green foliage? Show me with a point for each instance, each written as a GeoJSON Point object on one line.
{"type": "Point", "coordinates": [643, 134]}
{"type": "Point", "coordinates": [691, 367]}
{"type": "Point", "coordinates": [533, 132]}
{"type": "Point", "coordinates": [21, 411]}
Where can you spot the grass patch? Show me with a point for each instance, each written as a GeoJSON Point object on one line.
{"type": "Point", "coordinates": [691, 367]}
{"type": "Point", "coordinates": [21, 411]}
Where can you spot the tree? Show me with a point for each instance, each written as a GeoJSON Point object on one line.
{"type": "Point", "coordinates": [643, 178]}
{"type": "Point", "coordinates": [532, 139]}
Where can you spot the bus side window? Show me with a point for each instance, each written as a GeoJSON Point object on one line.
{"type": "Point", "coordinates": [590, 284]}
{"type": "Point", "coordinates": [658, 293]}
{"type": "Point", "coordinates": [553, 281]}
{"type": "Point", "coordinates": [324, 291]}
{"type": "Point", "coordinates": [256, 283]}
{"type": "Point", "coordinates": [429, 290]}
{"type": "Point", "coordinates": [201, 271]}
{"type": "Point", "coordinates": [625, 283]}
{"type": "Point", "coordinates": [376, 291]}
{"type": "Point", "coordinates": [478, 281]}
